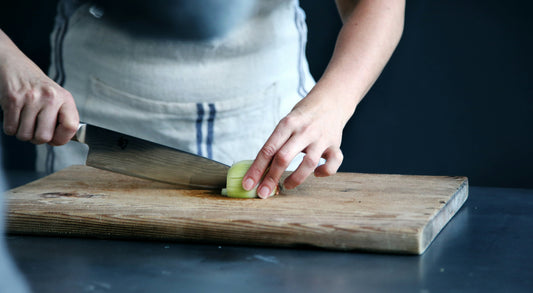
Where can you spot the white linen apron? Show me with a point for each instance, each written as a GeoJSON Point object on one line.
{"type": "Point", "coordinates": [219, 98]}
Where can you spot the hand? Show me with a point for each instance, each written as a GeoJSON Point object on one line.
{"type": "Point", "coordinates": [36, 109]}
{"type": "Point", "coordinates": [314, 127]}
{"type": "Point", "coordinates": [371, 32]}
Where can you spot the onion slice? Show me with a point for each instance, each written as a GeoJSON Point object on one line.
{"type": "Point", "coordinates": [234, 181]}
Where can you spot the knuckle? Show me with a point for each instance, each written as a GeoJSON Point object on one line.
{"type": "Point", "coordinates": [294, 180]}
{"type": "Point", "coordinates": [52, 97]}
{"type": "Point", "coordinates": [270, 181]}
{"type": "Point", "coordinates": [307, 128]}
{"type": "Point", "coordinates": [49, 91]}
{"type": "Point", "coordinates": [12, 100]}
{"type": "Point", "coordinates": [31, 96]}
{"type": "Point", "coordinates": [70, 128]}
{"type": "Point", "coordinates": [268, 151]}
{"type": "Point", "coordinates": [58, 141]}
{"type": "Point", "coordinates": [289, 121]}
{"type": "Point", "coordinates": [338, 155]}
{"type": "Point", "coordinates": [24, 136]}
{"type": "Point", "coordinates": [48, 101]}
{"type": "Point", "coordinates": [36, 140]}
{"type": "Point", "coordinates": [282, 158]}
{"type": "Point", "coordinates": [255, 173]}
{"type": "Point", "coordinates": [297, 180]}
{"type": "Point", "coordinates": [10, 129]}
{"type": "Point", "coordinates": [310, 162]}
{"type": "Point", "coordinates": [329, 171]}
{"type": "Point", "coordinates": [42, 138]}
{"type": "Point", "coordinates": [65, 95]}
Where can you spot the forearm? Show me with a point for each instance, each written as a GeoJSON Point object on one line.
{"type": "Point", "coordinates": [371, 32]}
{"type": "Point", "coordinates": [10, 53]}
{"type": "Point", "coordinates": [5, 42]}
{"type": "Point", "coordinates": [7, 47]}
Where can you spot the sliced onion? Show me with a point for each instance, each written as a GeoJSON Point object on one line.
{"type": "Point", "coordinates": [234, 181]}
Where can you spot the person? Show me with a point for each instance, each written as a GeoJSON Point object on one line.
{"type": "Point", "coordinates": [227, 80]}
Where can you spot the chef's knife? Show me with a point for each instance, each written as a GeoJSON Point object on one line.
{"type": "Point", "coordinates": [133, 156]}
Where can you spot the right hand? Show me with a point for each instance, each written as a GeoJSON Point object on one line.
{"type": "Point", "coordinates": [36, 109]}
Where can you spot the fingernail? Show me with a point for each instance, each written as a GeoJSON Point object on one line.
{"type": "Point", "coordinates": [248, 184]}
{"type": "Point", "coordinates": [264, 192]}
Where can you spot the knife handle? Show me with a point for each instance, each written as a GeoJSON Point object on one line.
{"type": "Point", "coordinates": [80, 133]}
{"type": "Point", "coordinates": [79, 136]}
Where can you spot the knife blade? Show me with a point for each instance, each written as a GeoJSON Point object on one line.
{"type": "Point", "coordinates": [121, 153]}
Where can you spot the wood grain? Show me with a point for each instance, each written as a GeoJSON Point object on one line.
{"type": "Point", "coordinates": [374, 212]}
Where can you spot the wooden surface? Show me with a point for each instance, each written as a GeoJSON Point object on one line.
{"type": "Point", "coordinates": [381, 213]}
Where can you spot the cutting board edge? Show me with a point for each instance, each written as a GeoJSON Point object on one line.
{"type": "Point", "coordinates": [435, 226]}
{"type": "Point", "coordinates": [108, 231]}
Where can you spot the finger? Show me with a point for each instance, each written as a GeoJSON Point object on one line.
{"type": "Point", "coordinates": [11, 120]}
{"type": "Point", "coordinates": [276, 140]}
{"type": "Point", "coordinates": [334, 159]}
{"type": "Point", "coordinates": [279, 164]}
{"type": "Point", "coordinates": [45, 127]}
{"type": "Point", "coordinates": [306, 167]}
{"type": "Point", "coordinates": [27, 122]}
{"type": "Point", "coordinates": [67, 124]}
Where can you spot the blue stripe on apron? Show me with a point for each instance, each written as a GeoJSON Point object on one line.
{"type": "Point", "coordinates": [210, 130]}
{"type": "Point", "coordinates": [199, 137]}
{"type": "Point", "coordinates": [209, 135]}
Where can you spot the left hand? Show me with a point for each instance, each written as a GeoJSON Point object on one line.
{"type": "Point", "coordinates": [313, 127]}
{"type": "Point", "coordinates": [371, 32]}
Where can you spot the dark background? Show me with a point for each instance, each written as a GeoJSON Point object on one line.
{"type": "Point", "coordinates": [455, 99]}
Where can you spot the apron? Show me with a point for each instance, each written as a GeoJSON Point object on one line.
{"type": "Point", "coordinates": [220, 98]}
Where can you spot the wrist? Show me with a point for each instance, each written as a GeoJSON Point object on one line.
{"type": "Point", "coordinates": [338, 94]}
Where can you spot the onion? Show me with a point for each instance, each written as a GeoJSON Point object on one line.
{"type": "Point", "coordinates": [234, 181]}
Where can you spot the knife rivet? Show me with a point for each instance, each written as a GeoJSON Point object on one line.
{"type": "Point", "coordinates": [122, 142]}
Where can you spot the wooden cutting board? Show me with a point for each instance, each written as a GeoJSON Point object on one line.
{"type": "Point", "coordinates": [348, 211]}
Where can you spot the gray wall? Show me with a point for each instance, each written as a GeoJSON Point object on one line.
{"type": "Point", "coordinates": [455, 99]}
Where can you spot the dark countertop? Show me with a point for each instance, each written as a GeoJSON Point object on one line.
{"type": "Point", "coordinates": [485, 248]}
